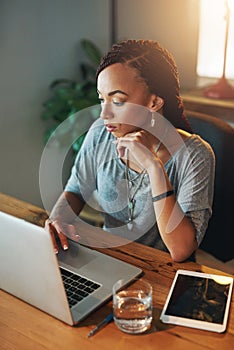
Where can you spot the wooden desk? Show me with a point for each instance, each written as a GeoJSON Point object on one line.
{"type": "Point", "coordinates": [25, 327]}
{"type": "Point", "coordinates": [195, 100]}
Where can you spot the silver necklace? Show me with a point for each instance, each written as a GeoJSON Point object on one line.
{"type": "Point", "coordinates": [131, 197]}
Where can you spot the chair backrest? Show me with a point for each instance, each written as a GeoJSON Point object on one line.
{"type": "Point", "coordinates": [219, 238]}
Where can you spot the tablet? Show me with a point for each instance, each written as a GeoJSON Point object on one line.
{"type": "Point", "coordinates": [198, 300]}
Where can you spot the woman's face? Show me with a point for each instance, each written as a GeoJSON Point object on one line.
{"type": "Point", "coordinates": [123, 94]}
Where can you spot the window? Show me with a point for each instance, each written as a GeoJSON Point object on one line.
{"type": "Point", "coordinates": [213, 15]}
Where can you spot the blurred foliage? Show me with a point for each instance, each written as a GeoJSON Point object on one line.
{"type": "Point", "coordinates": [70, 96]}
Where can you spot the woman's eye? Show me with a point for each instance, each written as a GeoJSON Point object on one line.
{"type": "Point", "coordinates": [118, 103]}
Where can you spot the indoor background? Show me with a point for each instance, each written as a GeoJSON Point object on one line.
{"type": "Point", "coordinates": [40, 42]}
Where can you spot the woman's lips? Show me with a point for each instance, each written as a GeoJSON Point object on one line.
{"type": "Point", "coordinates": [110, 127]}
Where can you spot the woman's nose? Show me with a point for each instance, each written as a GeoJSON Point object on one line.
{"type": "Point", "coordinates": [106, 111]}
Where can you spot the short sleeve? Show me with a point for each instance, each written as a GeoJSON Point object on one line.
{"type": "Point", "coordinates": [192, 177]}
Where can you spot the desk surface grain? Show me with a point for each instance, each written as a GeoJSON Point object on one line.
{"type": "Point", "coordinates": [25, 327]}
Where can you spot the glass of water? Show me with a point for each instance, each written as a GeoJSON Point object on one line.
{"type": "Point", "coordinates": [132, 306]}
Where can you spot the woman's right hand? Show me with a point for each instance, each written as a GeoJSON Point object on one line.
{"type": "Point", "coordinates": [61, 230]}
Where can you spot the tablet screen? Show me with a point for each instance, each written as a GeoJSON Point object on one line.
{"type": "Point", "coordinates": [198, 299]}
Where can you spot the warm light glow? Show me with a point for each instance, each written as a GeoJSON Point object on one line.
{"type": "Point", "coordinates": [212, 39]}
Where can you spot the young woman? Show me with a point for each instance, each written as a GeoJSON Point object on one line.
{"type": "Point", "coordinates": [152, 176]}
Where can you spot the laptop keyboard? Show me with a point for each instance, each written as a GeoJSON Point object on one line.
{"type": "Point", "coordinates": [77, 287]}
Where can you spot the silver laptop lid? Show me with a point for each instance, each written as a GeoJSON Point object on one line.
{"type": "Point", "coordinates": [29, 269]}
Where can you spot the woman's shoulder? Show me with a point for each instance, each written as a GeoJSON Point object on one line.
{"type": "Point", "coordinates": [196, 142]}
{"type": "Point", "coordinates": [199, 151]}
{"type": "Point", "coordinates": [193, 143]}
{"type": "Point", "coordinates": [97, 141]}
{"type": "Point", "coordinates": [194, 148]}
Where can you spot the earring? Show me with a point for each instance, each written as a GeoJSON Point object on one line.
{"type": "Point", "coordinates": [152, 120]}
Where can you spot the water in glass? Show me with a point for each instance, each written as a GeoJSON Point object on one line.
{"type": "Point", "coordinates": [133, 310]}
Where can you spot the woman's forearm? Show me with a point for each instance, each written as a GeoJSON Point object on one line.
{"type": "Point", "coordinates": [176, 230]}
{"type": "Point", "coordinates": [67, 208]}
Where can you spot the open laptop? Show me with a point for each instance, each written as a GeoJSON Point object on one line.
{"type": "Point", "coordinates": [30, 270]}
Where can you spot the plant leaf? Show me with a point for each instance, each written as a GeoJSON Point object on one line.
{"type": "Point", "coordinates": [64, 82]}
{"type": "Point", "coordinates": [88, 71]}
{"type": "Point", "coordinates": [92, 51]}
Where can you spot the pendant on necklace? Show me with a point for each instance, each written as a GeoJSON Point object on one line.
{"type": "Point", "coordinates": [130, 225]}
{"type": "Point", "coordinates": [131, 204]}
{"type": "Point", "coordinates": [130, 213]}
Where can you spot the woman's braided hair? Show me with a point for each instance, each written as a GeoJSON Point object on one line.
{"type": "Point", "coordinates": [157, 67]}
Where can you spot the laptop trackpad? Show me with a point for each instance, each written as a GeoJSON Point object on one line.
{"type": "Point", "coordinates": [76, 256]}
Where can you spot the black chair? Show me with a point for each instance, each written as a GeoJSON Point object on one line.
{"type": "Point", "coordinates": [219, 238]}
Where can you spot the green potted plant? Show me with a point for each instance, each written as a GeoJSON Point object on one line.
{"type": "Point", "coordinates": [70, 96]}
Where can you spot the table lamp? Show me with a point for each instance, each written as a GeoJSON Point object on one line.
{"type": "Point", "coordinates": [222, 89]}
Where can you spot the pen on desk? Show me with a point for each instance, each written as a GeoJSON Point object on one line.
{"type": "Point", "coordinates": [101, 325]}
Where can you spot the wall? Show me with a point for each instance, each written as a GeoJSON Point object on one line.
{"type": "Point", "coordinates": [174, 23]}
{"type": "Point", "coordinates": [39, 42]}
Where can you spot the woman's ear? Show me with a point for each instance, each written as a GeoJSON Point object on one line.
{"type": "Point", "coordinates": [156, 103]}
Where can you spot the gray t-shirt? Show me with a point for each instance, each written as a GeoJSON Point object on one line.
{"type": "Point", "coordinates": [99, 170]}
